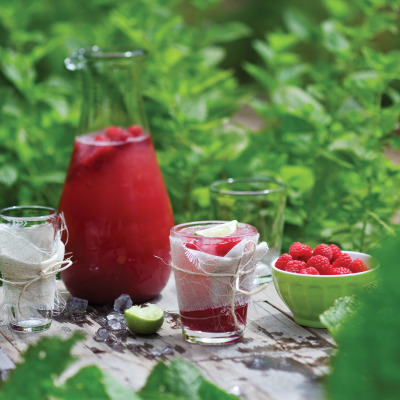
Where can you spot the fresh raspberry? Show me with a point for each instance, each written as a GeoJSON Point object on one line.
{"type": "Point", "coordinates": [116, 133]}
{"type": "Point", "coordinates": [336, 252]}
{"type": "Point", "coordinates": [135, 130]}
{"type": "Point", "coordinates": [300, 251]}
{"type": "Point", "coordinates": [340, 271]}
{"type": "Point", "coordinates": [358, 265]}
{"type": "Point", "coordinates": [343, 261]}
{"type": "Point", "coordinates": [295, 266]}
{"type": "Point", "coordinates": [309, 271]}
{"type": "Point", "coordinates": [323, 250]}
{"type": "Point", "coordinates": [320, 263]}
{"type": "Point", "coordinates": [281, 262]}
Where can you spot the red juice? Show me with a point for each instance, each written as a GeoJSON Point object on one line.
{"type": "Point", "coordinates": [118, 217]}
{"type": "Point", "coordinates": [216, 320]}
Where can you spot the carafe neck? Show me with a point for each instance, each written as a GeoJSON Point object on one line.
{"type": "Point", "coordinates": [111, 87]}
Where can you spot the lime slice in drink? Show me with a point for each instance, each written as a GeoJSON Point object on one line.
{"type": "Point", "coordinates": [219, 230]}
{"type": "Point", "coordinates": [144, 320]}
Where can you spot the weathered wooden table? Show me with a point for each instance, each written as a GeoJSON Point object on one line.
{"type": "Point", "coordinates": [277, 359]}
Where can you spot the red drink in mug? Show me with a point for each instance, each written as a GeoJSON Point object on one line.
{"type": "Point", "coordinates": [210, 309]}
{"type": "Point", "coordinates": [118, 216]}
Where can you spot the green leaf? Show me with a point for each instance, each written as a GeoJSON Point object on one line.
{"type": "Point", "coordinates": [195, 109]}
{"type": "Point", "coordinates": [260, 75]}
{"type": "Point", "coordinates": [337, 316]}
{"type": "Point", "coordinates": [295, 98]}
{"type": "Point", "coordinates": [180, 381]}
{"type": "Point", "coordinates": [52, 177]}
{"type": "Point", "coordinates": [92, 383]}
{"type": "Point", "coordinates": [298, 23]}
{"type": "Point", "coordinates": [264, 51]}
{"type": "Point", "coordinates": [340, 8]}
{"type": "Point", "coordinates": [8, 175]}
{"type": "Point", "coordinates": [333, 39]}
{"type": "Point", "coordinates": [297, 178]}
{"type": "Point", "coordinates": [281, 41]}
{"type": "Point", "coordinates": [42, 362]}
{"type": "Point", "coordinates": [229, 31]}
{"type": "Point", "coordinates": [209, 391]}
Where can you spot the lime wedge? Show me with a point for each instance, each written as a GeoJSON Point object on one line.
{"type": "Point", "coordinates": [219, 230]}
{"type": "Point", "coordinates": [144, 320]}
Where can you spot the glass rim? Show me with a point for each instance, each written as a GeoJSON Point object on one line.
{"type": "Point", "coordinates": [54, 213]}
{"type": "Point", "coordinates": [176, 230]}
{"type": "Point", "coordinates": [78, 59]}
{"type": "Point", "coordinates": [213, 187]}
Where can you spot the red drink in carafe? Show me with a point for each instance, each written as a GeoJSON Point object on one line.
{"type": "Point", "coordinates": [118, 216]}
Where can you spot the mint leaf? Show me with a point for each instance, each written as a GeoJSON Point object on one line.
{"type": "Point", "coordinates": [179, 381]}
{"type": "Point", "coordinates": [42, 363]}
{"type": "Point", "coordinates": [8, 175]}
{"type": "Point", "coordinates": [336, 317]}
{"type": "Point", "coordinates": [93, 383]}
{"type": "Point", "coordinates": [209, 391]}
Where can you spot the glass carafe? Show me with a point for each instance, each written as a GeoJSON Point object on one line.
{"type": "Point", "coordinates": [114, 198]}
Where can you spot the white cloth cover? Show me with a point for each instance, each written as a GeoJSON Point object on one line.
{"type": "Point", "coordinates": [30, 258]}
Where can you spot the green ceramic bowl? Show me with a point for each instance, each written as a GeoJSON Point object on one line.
{"type": "Point", "coordinates": [308, 296]}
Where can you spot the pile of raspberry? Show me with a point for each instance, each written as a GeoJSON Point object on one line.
{"type": "Point", "coordinates": [323, 260]}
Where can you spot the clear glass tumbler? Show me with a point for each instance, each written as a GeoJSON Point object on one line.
{"type": "Point", "coordinates": [257, 201]}
{"type": "Point", "coordinates": [213, 276]}
{"type": "Point", "coordinates": [31, 253]}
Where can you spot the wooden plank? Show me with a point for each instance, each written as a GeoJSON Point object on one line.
{"type": "Point", "coordinates": [270, 295]}
{"type": "Point", "coordinates": [270, 377]}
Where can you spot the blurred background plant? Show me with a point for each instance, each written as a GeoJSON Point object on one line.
{"type": "Point", "coordinates": [323, 85]}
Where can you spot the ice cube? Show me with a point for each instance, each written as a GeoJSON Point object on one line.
{"type": "Point", "coordinates": [76, 305]}
{"type": "Point", "coordinates": [167, 350]}
{"type": "Point", "coordinates": [102, 321]}
{"type": "Point", "coordinates": [101, 335]}
{"type": "Point", "coordinates": [134, 348]}
{"type": "Point", "coordinates": [115, 341]}
{"type": "Point", "coordinates": [114, 324]}
{"type": "Point", "coordinates": [122, 303]}
{"type": "Point", "coordinates": [156, 352]}
{"type": "Point", "coordinates": [116, 315]}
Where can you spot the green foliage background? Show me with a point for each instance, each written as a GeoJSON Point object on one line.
{"type": "Point", "coordinates": [367, 363]}
{"type": "Point", "coordinates": [323, 84]}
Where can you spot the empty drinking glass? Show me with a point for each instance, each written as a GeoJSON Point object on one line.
{"type": "Point", "coordinates": [256, 201]}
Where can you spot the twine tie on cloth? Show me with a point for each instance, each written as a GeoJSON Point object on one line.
{"type": "Point", "coordinates": [44, 274]}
